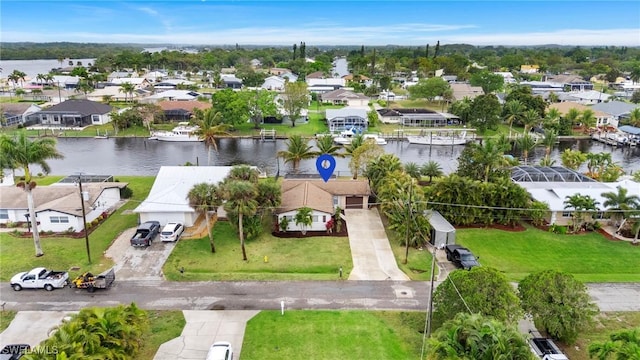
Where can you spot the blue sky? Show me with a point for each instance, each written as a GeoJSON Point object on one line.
{"type": "Point", "coordinates": [415, 23]}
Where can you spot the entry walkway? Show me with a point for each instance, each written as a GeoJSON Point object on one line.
{"type": "Point", "coordinates": [202, 329]}
{"type": "Point", "coordinates": [372, 255]}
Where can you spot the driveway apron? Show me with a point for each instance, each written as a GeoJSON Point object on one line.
{"type": "Point", "coordinates": [202, 329]}
{"type": "Point", "coordinates": [372, 255]}
{"type": "Point", "coordinates": [32, 327]}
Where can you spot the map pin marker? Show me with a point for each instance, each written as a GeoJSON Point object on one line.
{"type": "Point", "coordinates": [326, 164]}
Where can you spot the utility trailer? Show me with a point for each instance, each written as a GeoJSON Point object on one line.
{"type": "Point", "coordinates": [92, 282]}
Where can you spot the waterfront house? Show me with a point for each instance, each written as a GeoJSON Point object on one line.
{"type": "Point", "coordinates": [74, 113]}
{"type": "Point", "coordinates": [172, 95]}
{"type": "Point", "coordinates": [59, 206]}
{"type": "Point", "coordinates": [321, 86]}
{"type": "Point", "coordinates": [322, 197]}
{"type": "Point", "coordinates": [417, 117]}
{"type": "Point", "coordinates": [602, 119]}
{"type": "Point", "coordinates": [17, 113]}
{"type": "Point", "coordinates": [568, 82]}
{"type": "Point", "coordinates": [618, 109]}
{"type": "Point", "coordinates": [347, 118]}
{"type": "Point", "coordinates": [181, 110]}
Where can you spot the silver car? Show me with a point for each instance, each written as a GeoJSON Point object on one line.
{"type": "Point", "coordinates": [171, 231]}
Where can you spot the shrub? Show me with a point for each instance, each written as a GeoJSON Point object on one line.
{"type": "Point", "coordinates": [284, 224]}
{"type": "Point", "coordinates": [126, 193]}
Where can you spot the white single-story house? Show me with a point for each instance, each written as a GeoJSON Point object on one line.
{"type": "Point", "coordinates": [347, 118]}
{"type": "Point", "coordinates": [273, 83]}
{"type": "Point", "coordinates": [323, 198]}
{"type": "Point", "coordinates": [58, 206]}
{"type": "Point", "coordinates": [167, 200]}
{"type": "Point", "coordinates": [602, 119]}
{"type": "Point", "coordinates": [345, 97]}
{"type": "Point", "coordinates": [563, 182]}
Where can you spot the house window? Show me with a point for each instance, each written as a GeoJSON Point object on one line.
{"type": "Point", "coordinates": [566, 214]}
{"type": "Point", "coordinates": [335, 201]}
{"type": "Point", "coordinates": [4, 214]}
{"type": "Point", "coordinates": [95, 118]}
{"type": "Point", "coordinates": [59, 219]}
{"type": "Point", "coordinates": [324, 218]}
{"type": "Point", "coordinates": [314, 218]}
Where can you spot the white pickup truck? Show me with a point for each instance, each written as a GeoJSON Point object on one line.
{"type": "Point", "coordinates": [39, 278]}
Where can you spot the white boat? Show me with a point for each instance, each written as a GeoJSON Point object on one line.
{"type": "Point", "coordinates": [181, 133]}
{"type": "Point", "coordinates": [450, 138]}
{"type": "Point", "coordinates": [347, 136]}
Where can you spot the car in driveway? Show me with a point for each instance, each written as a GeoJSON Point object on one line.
{"type": "Point", "coordinates": [145, 233]}
{"type": "Point", "coordinates": [171, 232]}
{"type": "Point", "coordinates": [220, 350]}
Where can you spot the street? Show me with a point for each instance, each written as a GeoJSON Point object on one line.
{"type": "Point", "coordinates": [251, 295]}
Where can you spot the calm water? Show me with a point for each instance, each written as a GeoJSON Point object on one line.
{"type": "Point", "coordinates": [34, 67]}
{"type": "Point", "coordinates": [139, 156]}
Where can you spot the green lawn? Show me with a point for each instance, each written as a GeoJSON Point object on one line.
{"type": "Point", "coordinates": [164, 326]}
{"type": "Point", "coordinates": [606, 323]}
{"type": "Point", "coordinates": [589, 257]}
{"type": "Point", "coordinates": [312, 335]}
{"type": "Point", "coordinates": [314, 258]}
{"type": "Point", "coordinates": [418, 266]}
{"type": "Point", "coordinates": [6, 317]}
{"type": "Point", "coordinates": [63, 253]}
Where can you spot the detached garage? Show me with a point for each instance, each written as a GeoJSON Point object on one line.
{"type": "Point", "coordinates": [442, 232]}
{"type": "Point", "coordinates": [167, 200]}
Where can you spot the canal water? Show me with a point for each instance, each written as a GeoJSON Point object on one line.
{"type": "Point", "coordinates": [140, 156]}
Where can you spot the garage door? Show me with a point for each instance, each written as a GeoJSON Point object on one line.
{"type": "Point", "coordinates": [354, 202]}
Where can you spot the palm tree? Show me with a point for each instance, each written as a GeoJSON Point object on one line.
{"type": "Point", "coordinates": [412, 169]}
{"type": "Point", "coordinates": [619, 203]}
{"type": "Point", "coordinates": [530, 119]}
{"type": "Point", "coordinates": [513, 110]}
{"type": "Point", "coordinates": [490, 155]}
{"type": "Point", "coordinates": [241, 200]}
{"type": "Point", "coordinates": [588, 119]}
{"type": "Point", "coordinates": [431, 169]}
{"type": "Point", "coordinates": [378, 168]}
{"type": "Point", "coordinates": [304, 218]}
{"type": "Point", "coordinates": [356, 142]}
{"type": "Point", "coordinates": [326, 145]}
{"type": "Point", "coordinates": [297, 150]}
{"type": "Point", "coordinates": [573, 115]}
{"type": "Point", "coordinates": [580, 204]}
{"type": "Point", "coordinates": [526, 143]}
{"type": "Point", "coordinates": [203, 198]}
{"type": "Point", "coordinates": [622, 345]}
{"type": "Point", "coordinates": [572, 159]}
{"type": "Point", "coordinates": [551, 118]}
{"type": "Point", "coordinates": [21, 152]}
{"type": "Point", "coordinates": [210, 130]}
{"type": "Point", "coordinates": [128, 89]}
{"type": "Point", "coordinates": [549, 140]}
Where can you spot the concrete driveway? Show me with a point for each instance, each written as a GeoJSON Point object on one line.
{"type": "Point", "coordinates": [133, 263]}
{"type": "Point", "coordinates": [372, 255]}
{"type": "Point", "coordinates": [202, 329]}
{"type": "Point", "coordinates": [32, 327]}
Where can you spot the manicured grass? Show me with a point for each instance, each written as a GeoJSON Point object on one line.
{"type": "Point", "coordinates": [6, 317]}
{"type": "Point", "coordinates": [323, 335]}
{"type": "Point", "coordinates": [62, 253]}
{"type": "Point", "coordinates": [314, 258]}
{"type": "Point", "coordinates": [164, 326]}
{"type": "Point", "coordinates": [606, 323]}
{"type": "Point", "coordinates": [589, 257]}
{"type": "Point", "coordinates": [418, 266]}
{"type": "Point", "coordinates": [45, 180]}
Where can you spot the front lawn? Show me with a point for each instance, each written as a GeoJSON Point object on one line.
{"type": "Point", "coordinates": [589, 257]}
{"type": "Point", "coordinates": [328, 335]}
{"type": "Point", "coordinates": [418, 266]}
{"type": "Point", "coordinates": [163, 326]}
{"type": "Point", "coordinates": [6, 317]}
{"type": "Point", "coordinates": [313, 258]}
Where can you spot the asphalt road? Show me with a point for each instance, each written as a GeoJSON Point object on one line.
{"type": "Point", "coordinates": [162, 295]}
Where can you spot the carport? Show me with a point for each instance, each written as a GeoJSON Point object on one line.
{"type": "Point", "coordinates": [442, 232]}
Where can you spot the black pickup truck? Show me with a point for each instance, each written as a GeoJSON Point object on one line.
{"type": "Point", "coordinates": [461, 256]}
{"type": "Point", "coordinates": [145, 233]}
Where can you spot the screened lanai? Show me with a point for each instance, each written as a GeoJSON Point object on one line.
{"type": "Point", "coordinates": [526, 173]}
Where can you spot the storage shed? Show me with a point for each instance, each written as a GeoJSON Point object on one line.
{"type": "Point", "coordinates": [442, 233]}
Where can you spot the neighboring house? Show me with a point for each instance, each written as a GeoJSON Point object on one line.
{"type": "Point", "coordinates": [462, 90]}
{"type": "Point", "coordinates": [602, 119]}
{"type": "Point", "coordinates": [345, 97]}
{"type": "Point", "coordinates": [275, 83]}
{"type": "Point", "coordinates": [155, 76]}
{"type": "Point", "coordinates": [171, 84]}
{"type": "Point", "coordinates": [138, 82]}
{"type": "Point", "coordinates": [114, 93]}
{"type": "Point", "coordinates": [508, 77]}
{"type": "Point", "coordinates": [58, 207]}
{"type": "Point", "coordinates": [255, 63]}
{"type": "Point", "coordinates": [74, 113]}
{"type": "Point", "coordinates": [172, 95]}
{"type": "Point", "coordinates": [278, 71]}
{"type": "Point", "coordinates": [315, 75]}
{"type": "Point", "coordinates": [542, 87]}
{"type": "Point", "coordinates": [529, 69]}
{"type": "Point", "coordinates": [120, 74]}
{"type": "Point", "coordinates": [417, 117]}
{"type": "Point", "coordinates": [167, 201]}
{"type": "Point", "coordinates": [347, 118]}
{"type": "Point", "coordinates": [553, 184]}
{"type": "Point", "coordinates": [16, 113]}
{"type": "Point", "coordinates": [181, 110]}
{"type": "Point", "coordinates": [588, 97]}
{"type": "Point", "coordinates": [65, 81]}
{"type": "Point", "coordinates": [569, 82]}
{"type": "Point", "coordinates": [286, 118]}
{"type": "Point", "coordinates": [231, 81]}
{"type": "Point", "coordinates": [618, 109]}
{"type": "Point", "coordinates": [357, 78]}
{"type": "Point", "coordinates": [323, 198]}
{"type": "Point", "coordinates": [320, 86]}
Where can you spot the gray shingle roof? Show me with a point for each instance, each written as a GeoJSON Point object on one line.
{"type": "Point", "coordinates": [615, 108]}
{"type": "Point", "coordinates": [80, 106]}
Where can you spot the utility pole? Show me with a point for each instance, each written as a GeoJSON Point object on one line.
{"type": "Point", "coordinates": [84, 219]}
{"type": "Point", "coordinates": [406, 252]}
